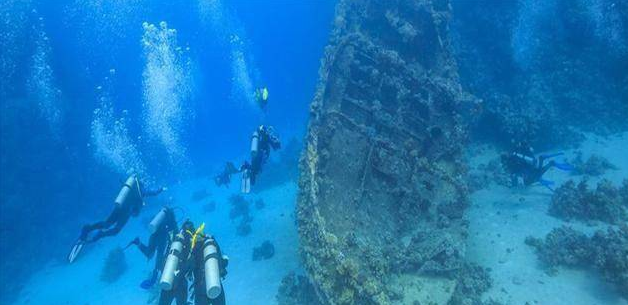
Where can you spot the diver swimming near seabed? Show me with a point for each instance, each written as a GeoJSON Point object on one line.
{"type": "Point", "coordinates": [261, 97]}
{"type": "Point", "coordinates": [262, 140]}
{"type": "Point", "coordinates": [224, 178]}
{"type": "Point", "coordinates": [129, 202]}
{"type": "Point", "coordinates": [195, 256]}
{"type": "Point", "coordinates": [525, 168]}
{"type": "Point", "coordinates": [162, 227]}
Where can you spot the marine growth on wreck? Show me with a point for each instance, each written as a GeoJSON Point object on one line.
{"type": "Point", "coordinates": [382, 193]}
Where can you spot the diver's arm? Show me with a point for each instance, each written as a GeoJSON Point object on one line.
{"type": "Point", "coordinates": [147, 192]}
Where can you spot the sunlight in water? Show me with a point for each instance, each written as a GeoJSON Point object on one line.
{"type": "Point", "coordinates": [41, 82]}
{"type": "Point", "coordinates": [166, 89]}
{"type": "Point", "coordinates": [112, 143]}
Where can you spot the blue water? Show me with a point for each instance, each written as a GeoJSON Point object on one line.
{"type": "Point", "coordinates": [84, 101]}
{"type": "Point", "coordinates": [92, 91]}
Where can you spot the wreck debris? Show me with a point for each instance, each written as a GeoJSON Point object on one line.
{"type": "Point", "coordinates": [382, 190]}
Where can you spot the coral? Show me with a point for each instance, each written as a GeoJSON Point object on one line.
{"type": "Point", "coordinates": [594, 166]}
{"type": "Point", "coordinates": [296, 290]}
{"type": "Point", "coordinates": [265, 251]}
{"type": "Point", "coordinates": [239, 206]}
{"type": "Point", "coordinates": [240, 209]}
{"type": "Point", "coordinates": [383, 153]}
{"type": "Point", "coordinates": [200, 195]}
{"type": "Point", "coordinates": [606, 252]}
{"type": "Point", "coordinates": [607, 203]}
{"type": "Point", "coordinates": [472, 280]}
{"type": "Point", "coordinates": [115, 265]}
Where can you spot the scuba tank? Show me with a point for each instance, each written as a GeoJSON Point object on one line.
{"type": "Point", "coordinates": [127, 190]}
{"type": "Point", "coordinates": [255, 142]}
{"type": "Point", "coordinates": [211, 257]}
{"type": "Point", "coordinates": [172, 263]}
{"type": "Point", "coordinates": [154, 224]}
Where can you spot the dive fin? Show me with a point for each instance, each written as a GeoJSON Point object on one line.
{"type": "Point", "coordinates": [564, 166]}
{"type": "Point", "coordinates": [246, 182]}
{"type": "Point", "coordinates": [547, 183]}
{"type": "Point", "coordinates": [548, 156]}
{"type": "Point", "coordinates": [148, 284]}
{"type": "Point", "coordinates": [76, 250]}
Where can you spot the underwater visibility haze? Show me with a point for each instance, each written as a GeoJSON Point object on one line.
{"type": "Point", "coordinates": [348, 152]}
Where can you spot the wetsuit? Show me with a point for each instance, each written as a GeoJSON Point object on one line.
{"type": "Point", "coordinates": [158, 245]}
{"type": "Point", "coordinates": [266, 141]}
{"type": "Point", "coordinates": [200, 295]}
{"type": "Point", "coordinates": [118, 217]}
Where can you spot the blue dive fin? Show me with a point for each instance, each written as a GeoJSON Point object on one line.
{"type": "Point", "coordinates": [564, 166]}
{"type": "Point", "coordinates": [548, 156]}
{"type": "Point", "coordinates": [148, 284]}
{"type": "Point", "coordinates": [547, 183]}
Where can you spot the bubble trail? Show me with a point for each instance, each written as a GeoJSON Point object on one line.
{"type": "Point", "coordinates": [166, 89]}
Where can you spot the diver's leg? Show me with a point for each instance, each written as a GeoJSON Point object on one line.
{"type": "Point", "coordinates": [101, 224]}
{"type": "Point", "coordinates": [166, 297]}
{"type": "Point", "coordinates": [182, 291]}
{"type": "Point", "coordinates": [119, 224]}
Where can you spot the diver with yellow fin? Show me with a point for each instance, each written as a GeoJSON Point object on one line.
{"type": "Point", "coordinates": [129, 202]}
{"type": "Point", "coordinates": [261, 97]}
{"type": "Point", "coordinates": [262, 140]}
{"type": "Point", "coordinates": [196, 256]}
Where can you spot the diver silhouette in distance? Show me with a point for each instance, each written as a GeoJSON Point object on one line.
{"type": "Point", "coordinates": [224, 178]}
{"type": "Point", "coordinates": [262, 141]}
{"type": "Point", "coordinates": [524, 167]}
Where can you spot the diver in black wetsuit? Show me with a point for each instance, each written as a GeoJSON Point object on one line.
{"type": "Point", "coordinates": [126, 205]}
{"type": "Point", "coordinates": [522, 164]}
{"type": "Point", "coordinates": [224, 178]}
{"type": "Point", "coordinates": [158, 242]}
{"type": "Point", "coordinates": [262, 141]}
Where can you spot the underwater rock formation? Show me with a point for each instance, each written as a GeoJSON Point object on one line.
{"type": "Point", "coordinates": [296, 290]}
{"type": "Point", "coordinates": [606, 203]}
{"type": "Point", "coordinates": [115, 265]}
{"type": "Point", "coordinates": [382, 189]}
{"type": "Point", "coordinates": [265, 251]}
{"type": "Point", "coordinates": [240, 209]}
{"type": "Point", "coordinates": [606, 252]}
{"type": "Point", "coordinates": [594, 166]}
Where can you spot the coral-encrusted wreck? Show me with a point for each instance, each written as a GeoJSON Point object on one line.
{"type": "Point", "coordinates": [382, 191]}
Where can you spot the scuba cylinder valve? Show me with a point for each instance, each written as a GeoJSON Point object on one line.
{"type": "Point", "coordinates": [172, 263]}
{"type": "Point", "coordinates": [154, 224]}
{"type": "Point", "coordinates": [211, 257]}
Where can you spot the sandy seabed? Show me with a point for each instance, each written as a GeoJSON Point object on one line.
{"type": "Point", "coordinates": [500, 220]}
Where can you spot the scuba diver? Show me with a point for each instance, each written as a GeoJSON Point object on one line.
{"type": "Point", "coordinates": [262, 141]}
{"type": "Point", "coordinates": [163, 226]}
{"type": "Point", "coordinates": [224, 178]}
{"type": "Point", "coordinates": [195, 256]}
{"type": "Point", "coordinates": [129, 202]}
{"type": "Point", "coordinates": [261, 97]}
{"type": "Point", "coordinates": [524, 166]}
